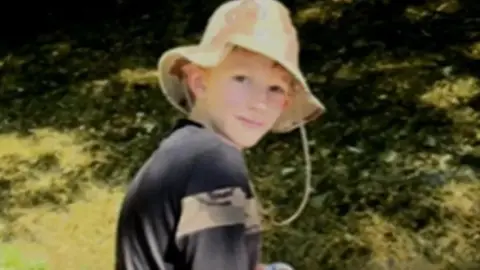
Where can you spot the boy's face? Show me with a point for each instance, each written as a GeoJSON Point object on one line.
{"type": "Point", "coordinates": [243, 96]}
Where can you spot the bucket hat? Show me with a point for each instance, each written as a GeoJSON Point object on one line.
{"type": "Point", "coordinates": [260, 26]}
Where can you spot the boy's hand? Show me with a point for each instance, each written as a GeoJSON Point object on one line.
{"type": "Point", "coordinates": [260, 267]}
{"type": "Point", "coordinates": [274, 266]}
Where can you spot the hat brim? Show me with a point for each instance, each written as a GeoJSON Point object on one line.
{"type": "Point", "coordinates": [304, 107]}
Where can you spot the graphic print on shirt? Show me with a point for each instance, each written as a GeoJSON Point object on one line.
{"type": "Point", "coordinates": [207, 210]}
{"type": "Point", "coordinates": [253, 219]}
{"type": "Point", "coordinates": [222, 207]}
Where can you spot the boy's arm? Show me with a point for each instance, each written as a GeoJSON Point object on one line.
{"type": "Point", "coordinates": [211, 230]}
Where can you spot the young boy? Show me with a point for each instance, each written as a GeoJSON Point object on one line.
{"type": "Point", "coordinates": [190, 206]}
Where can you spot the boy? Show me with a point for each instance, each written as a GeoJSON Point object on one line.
{"type": "Point", "coordinates": [190, 206]}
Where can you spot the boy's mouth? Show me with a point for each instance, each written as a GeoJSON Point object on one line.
{"type": "Point", "coordinates": [250, 123]}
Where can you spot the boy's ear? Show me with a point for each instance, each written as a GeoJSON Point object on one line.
{"type": "Point", "coordinates": [195, 77]}
{"type": "Point", "coordinates": [286, 103]}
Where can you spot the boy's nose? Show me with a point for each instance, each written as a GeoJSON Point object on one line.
{"type": "Point", "coordinates": [259, 99]}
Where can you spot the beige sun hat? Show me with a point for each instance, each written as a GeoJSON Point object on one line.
{"type": "Point", "coordinates": [261, 26]}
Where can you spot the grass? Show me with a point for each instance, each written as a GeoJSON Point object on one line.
{"type": "Point", "coordinates": [77, 237]}
{"type": "Point", "coordinates": [45, 166]}
{"type": "Point", "coordinates": [12, 258]}
{"type": "Point", "coordinates": [57, 207]}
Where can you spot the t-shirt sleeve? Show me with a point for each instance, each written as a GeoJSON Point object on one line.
{"type": "Point", "coordinates": [211, 229]}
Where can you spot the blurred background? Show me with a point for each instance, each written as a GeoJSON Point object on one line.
{"type": "Point", "coordinates": [396, 158]}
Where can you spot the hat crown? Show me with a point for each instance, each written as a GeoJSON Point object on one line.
{"type": "Point", "coordinates": [268, 21]}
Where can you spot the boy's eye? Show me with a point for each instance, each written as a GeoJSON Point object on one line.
{"type": "Point", "coordinates": [240, 78]}
{"type": "Point", "coordinates": [277, 89]}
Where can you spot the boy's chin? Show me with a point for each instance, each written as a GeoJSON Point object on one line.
{"type": "Point", "coordinates": [244, 138]}
{"type": "Point", "coordinates": [246, 142]}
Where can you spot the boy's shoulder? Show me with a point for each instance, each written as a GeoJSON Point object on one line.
{"type": "Point", "coordinates": [189, 156]}
{"type": "Point", "coordinates": [189, 140]}
{"type": "Point", "coordinates": [190, 160]}
{"type": "Point", "coordinates": [190, 147]}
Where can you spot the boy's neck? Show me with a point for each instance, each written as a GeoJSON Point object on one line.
{"type": "Point", "coordinates": [202, 117]}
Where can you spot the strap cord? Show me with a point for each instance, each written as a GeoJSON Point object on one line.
{"type": "Point", "coordinates": [307, 188]}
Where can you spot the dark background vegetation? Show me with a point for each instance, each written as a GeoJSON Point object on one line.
{"type": "Point", "coordinates": [396, 157]}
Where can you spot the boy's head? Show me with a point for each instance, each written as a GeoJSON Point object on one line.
{"type": "Point", "coordinates": [242, 97]}
{"type": "Point", "coordinates": [244, 75]}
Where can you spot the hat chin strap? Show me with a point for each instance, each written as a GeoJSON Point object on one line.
{"type": "Point", "coordinates": [308, 182]}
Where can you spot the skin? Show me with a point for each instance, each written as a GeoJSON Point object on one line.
{"type": "Point", "coordinates": [261, 267]}
{"type": "Point", "coordinates": [241, 98]}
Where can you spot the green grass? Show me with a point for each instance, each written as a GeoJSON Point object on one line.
{"type": "Point", "coordinates": [12, 259]}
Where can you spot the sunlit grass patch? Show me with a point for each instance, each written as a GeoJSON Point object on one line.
{"type": "Point", "coordinates": [47, 165]}
{"type": "Point", "coordinates": [63, 145]}
{"type": "Point", "coordinates": [454, 238]}
{"type": "Point", "coordinates": [446, 94]}
{"type": "Point", "coordinates": [467, 124]}
{"type": "Point", "coordinates": [386, 240]}
{"type": "Point", "coordinates": [392, 246]}
{"type": "Point", "coordinates": [461, 198]}
{"type": "Point", "coordinates": [53, 166]}
{"type": "Point", "coordinates": [473, 51]}
{"type": "Point", "coordinates": [317, 14]}
{"type": "Point", "coordinates": [79, 237]}
{"type": "Point", "coordinates": [125, 78]}
{"type": "Point", "coordinates": [21, 257]}
{"type": "Point", "coordinates": [452, 96]}
{"type": "Point", "coordinates": [460, 203]}
{"type": "Point", "coordinates": [139, 76]}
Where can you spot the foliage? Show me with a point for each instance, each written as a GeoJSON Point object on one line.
{"type": "Point", "coordinates": [396, 157]}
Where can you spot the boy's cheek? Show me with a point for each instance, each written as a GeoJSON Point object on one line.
{"type": "Point", "coordinates": [234, 100]}
{"type": "Point", "coordinates": [235, 96]}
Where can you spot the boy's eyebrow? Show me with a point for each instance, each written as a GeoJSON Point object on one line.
{"type": "Point", "coordinates": [286, 77]}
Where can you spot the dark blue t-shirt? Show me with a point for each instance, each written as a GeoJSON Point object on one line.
{"type": "Point", "coordinates": [189, 208]}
